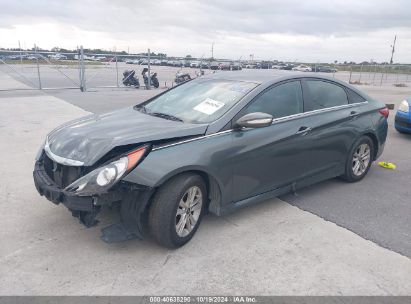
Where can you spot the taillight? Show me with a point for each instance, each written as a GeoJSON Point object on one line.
{"type": "Point", "coordinates": [384, 112]}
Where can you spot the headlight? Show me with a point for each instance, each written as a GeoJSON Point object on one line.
{"type": "Point", "coordinates": [404, 107]}
{"type": "Point", "coordinates": [103, 178]}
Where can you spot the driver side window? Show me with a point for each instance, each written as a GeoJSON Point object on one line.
{"type": "Point", "coordinates": [279, 101]}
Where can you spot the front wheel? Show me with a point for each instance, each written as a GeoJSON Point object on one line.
{"type": "Point", "coordinates": [359, 160]}
{"type": "Point", "coordinates": [177, 210]}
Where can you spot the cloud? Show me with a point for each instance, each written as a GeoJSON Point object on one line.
{"type": "Point", "coordinates": [237, 27]}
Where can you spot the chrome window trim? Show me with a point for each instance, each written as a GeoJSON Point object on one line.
{"type": "Point", "coordinates": [313, 112]}
{"type": "Point", "coordinates": [276, 120]}
{"type": "Point", "coordinates": [59, 159]}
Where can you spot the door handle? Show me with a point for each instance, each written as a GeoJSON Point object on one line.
{"type": "Point", "coordinates": [354, 114]}
{"type": "Point", "coordinates": [303, 130]}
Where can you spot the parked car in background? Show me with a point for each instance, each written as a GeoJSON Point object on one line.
{"type": "Point", "coordinates": [176, 63]}
{"type": "Point", "coordinates": [264, 65]}
{"type": "Point", "coordinates": [287, 67]}
{"type": "Point", "coordinates": [213, 144]}
{"type": "Point", "coordinates": [236, 66]}
{"type": "Point", "coordinates": [214, 65]}
{"type": "Point", "coordinates": [225, 66]}
{"type": "Point", "coordinates": [143, 61]}
{"type": "Point", "coordinates": [195, 64]}
{"type": "Point", "coordinates": [58, 57]}
{"type": "Point", "coordinates": [278, 66]}
{"type": "Point", "coordinates": [204, 64]}
{"type": "Point", "coordinates": [302, 68]}
{"type": "Point", "coordinates": [33, 56]}
{"type": "Point", "coordinates": [323, 69]}
{"type": "Point", "coordinates": [403, 117]}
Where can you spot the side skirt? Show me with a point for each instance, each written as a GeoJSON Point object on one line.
{"type": "Point", "coordinates": [282, 190]}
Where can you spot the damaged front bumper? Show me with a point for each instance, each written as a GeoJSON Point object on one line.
{"type": "Point", "coordinates": [133, 201]}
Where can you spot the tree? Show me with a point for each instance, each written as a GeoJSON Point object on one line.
{"type": "Point", "coordinates": [189, 56]}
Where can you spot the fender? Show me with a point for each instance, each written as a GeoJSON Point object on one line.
{"type": "Point", "coordinates": [209, 155]}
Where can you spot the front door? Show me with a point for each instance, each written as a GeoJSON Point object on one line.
{"type": "Point", "coordinates": [270, 157]}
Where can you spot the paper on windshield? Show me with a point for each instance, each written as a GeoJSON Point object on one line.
{"type": "Point", "coordinates": [209, 106]}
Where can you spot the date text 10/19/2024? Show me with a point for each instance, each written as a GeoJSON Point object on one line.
{"type": "Point", "coordinates": [203, 299]}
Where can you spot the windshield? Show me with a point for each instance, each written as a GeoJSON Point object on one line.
{"type": "Point", "coordinates": [198, 101]}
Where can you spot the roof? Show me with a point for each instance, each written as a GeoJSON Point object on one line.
{"type": "Point", "coordinates": [262, 76]}
{"type": "Point", "coordinates": [272, 76]}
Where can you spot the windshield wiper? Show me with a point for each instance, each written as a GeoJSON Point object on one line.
{"type": "Point", "coordinates": [165, 116]}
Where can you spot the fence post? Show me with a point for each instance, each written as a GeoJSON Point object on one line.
{"type": "Point", "coordinates": [79, 67]}
{"type": "Point", "coordinates": [359, 81]}
{"type": "Point", "coordinates": [117, 72]}
{"type": "Point", "coordinates": [82, 72]}
{"type": "Point", "coordinates": [349, 80]}
{"type": "Point", "coordinates": [148, 66]}
{"type": "Point", "coordinates": [38, 67]}
{"type": "Point", "coordinates": [375, 72]}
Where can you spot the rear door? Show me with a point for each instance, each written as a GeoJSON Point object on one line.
{"type": "Point", "coordinates": [334, 125]}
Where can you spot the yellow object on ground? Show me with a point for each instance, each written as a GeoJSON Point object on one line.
{"type": "Point", "coordinates": [387, 165]}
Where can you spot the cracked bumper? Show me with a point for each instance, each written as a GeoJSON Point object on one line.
{"type": "Point", "coordinates": [133, 201]}
{"type": "Point", "coordinates": [48, 188]}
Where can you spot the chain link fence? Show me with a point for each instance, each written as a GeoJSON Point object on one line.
{"type": "Point", "coordinates": [81, 70]}
{"type": "Point", "coordinates": [84, 70]}
{"type": "Point", "coordinates": [379, 75]}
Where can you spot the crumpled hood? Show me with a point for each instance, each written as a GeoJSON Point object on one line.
{"type": "Point", "coordinates": [89, 138]}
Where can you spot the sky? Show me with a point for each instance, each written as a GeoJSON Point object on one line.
{"type": "Point", "coordinates": [304, 31]}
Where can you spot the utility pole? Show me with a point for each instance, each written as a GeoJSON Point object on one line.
{"type": "Point", "coordinates": [393, 49]}
{"type": "Point", "coordinates": [212, 50]}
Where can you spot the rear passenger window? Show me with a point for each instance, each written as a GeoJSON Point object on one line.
{"type": "Point", "coordinates": [325, 95]}
{"type": "Point", "coordinates": [354, 97]}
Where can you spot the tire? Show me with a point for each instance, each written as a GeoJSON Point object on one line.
{"type": "Point", "coordinates": [354, 171]}
{"type": "Point", "coordinates": [155, 82]}
{"type": "Point", "coordinates": [163, 219]}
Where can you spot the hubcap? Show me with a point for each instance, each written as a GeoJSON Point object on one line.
{"type": "Point", "coordinates": [361, 159]}
{"type": "Point", "coordinates": [188, 211]}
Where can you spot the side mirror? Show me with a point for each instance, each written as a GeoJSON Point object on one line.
{"type": "Point", "coordinates": [254, 120]}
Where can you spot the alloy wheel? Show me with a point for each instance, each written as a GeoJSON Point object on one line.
{"type": "Point", "coordinates": [361, 159]}
{"type": "Point", "coordinates": [188, 211]}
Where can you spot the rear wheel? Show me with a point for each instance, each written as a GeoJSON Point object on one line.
{"type": "Point", "coordinates": [177, 210]}
{"type": "Point", "coordinates": [155, 82]}
{"type": "Point", "coordinates": [359, 160]}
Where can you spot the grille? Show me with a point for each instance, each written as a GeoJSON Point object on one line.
{"type": "Point", "coordinates": [62, 175]}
